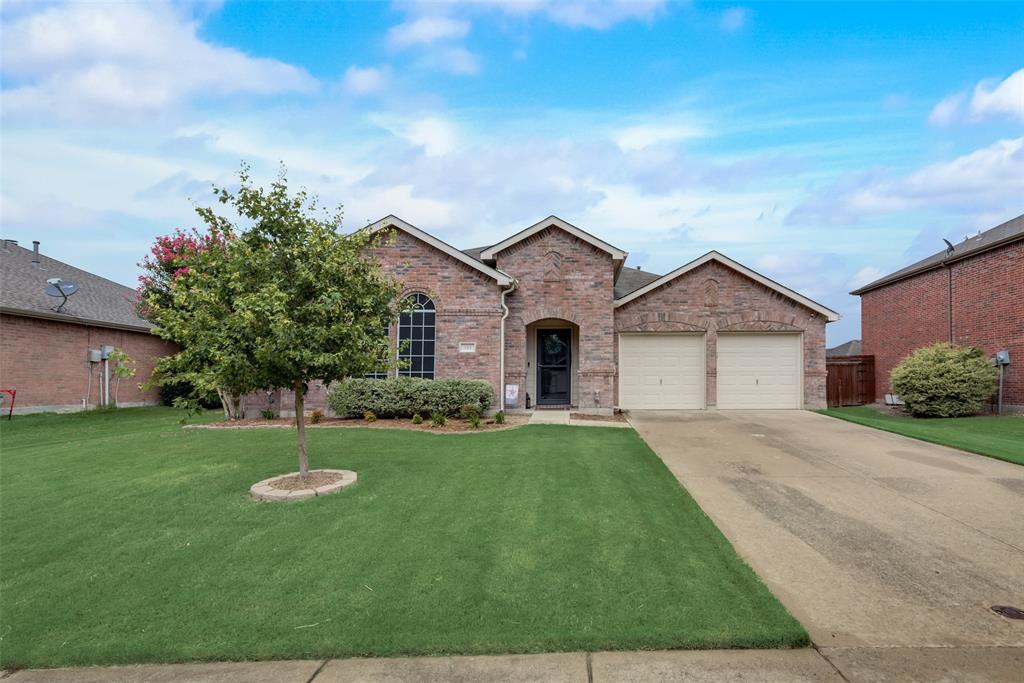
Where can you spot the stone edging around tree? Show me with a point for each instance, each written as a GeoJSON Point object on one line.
{"type": "Point", "coordinates": [264, 490]}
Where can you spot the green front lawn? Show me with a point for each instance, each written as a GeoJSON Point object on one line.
{"type": "Point", "coordinates": [997, 437]}
{"type": "Point", "coordinates": [128, 539]}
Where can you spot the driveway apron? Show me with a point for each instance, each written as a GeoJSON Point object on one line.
{"type": "Point", "coordinates": [869, 538]}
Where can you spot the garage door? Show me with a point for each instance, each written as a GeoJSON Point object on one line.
{"type": "Point", "coordinates": [661, 371]}
{"type": "Point", "coordinates": [758, 371]}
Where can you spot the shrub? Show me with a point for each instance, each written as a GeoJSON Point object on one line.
{"type": "Point", "coordinates": [417, 419]}
{"type": "Point", "coordinates": [944, 381]}
{"type": "Point", "coordinates": [438, 419]}
{"type": "Point", "coordinates": [406, 396]}
{"type": "Point", "coordinates": [499, 417]}
{"type": "Point", "coordinates": [474, 420]}
{"type": "Point", "coordinates": [370, 416]}
{"type": "Point", "coordinates": [267, 414]}
{"type": "Point", "coordinates": [316, 417]}
{"type": "Point", "coordinates": [469, 411]}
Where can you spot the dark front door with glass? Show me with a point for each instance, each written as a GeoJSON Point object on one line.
{"type": "Point", "coordinates": [553, 363]}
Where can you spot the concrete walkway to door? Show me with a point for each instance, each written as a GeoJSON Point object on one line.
{"type": "Point", "coordinates": [869, 538]}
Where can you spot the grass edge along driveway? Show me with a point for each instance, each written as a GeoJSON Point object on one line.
{"type": "Point", "coordinates": [1000, 437]}
{"type": "Point", "coordinates": [128, 539]}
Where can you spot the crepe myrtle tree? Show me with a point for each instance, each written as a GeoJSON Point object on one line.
{"type": "Point", "coordinates": [308, 302]}
{"type": "Point", "coordinates": [186, 293]}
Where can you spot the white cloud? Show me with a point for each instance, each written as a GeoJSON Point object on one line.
{"type": "Point", "coordinates": [948, 111]}
{"type": "Point", "coordinates": [593, 14]}
{"type": "Point", "coordinates": [363, 81]}
{"type": "Point", "coordinates": [436, 135]}
{"type": "Point", "coordinates": [97, 59]}
{"type": "Point", "coordinates": [645, 135]}
{"type": "Point", "coordinates": [1005, 98]}
{"type": "Point", "coordinates": [427, 30]}
{"type": "Point", "coordinates": [990, 99]}
{"type": "Point", "coordinates": [989, 180]}
{"type": "Point", "coordinates": [456, 60]}
{"type": "Point", "coordinates": [733, 19]}
{"type": "Point", "coordinates": [864, 276]}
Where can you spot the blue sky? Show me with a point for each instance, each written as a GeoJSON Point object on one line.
{"type": "Point", "coordinates": [821, 144]}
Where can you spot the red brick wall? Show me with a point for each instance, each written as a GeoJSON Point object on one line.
{"type": "Point", "coordinates": [47, 362]}
{"type": "Point", "coordinates": [565, 278]}
{"type": "Point", "coordinates": [988, 311]}
{"type": "Point", "coordinates": [468, 305]}
{"type": "Point", "coordinates": [713, 298]}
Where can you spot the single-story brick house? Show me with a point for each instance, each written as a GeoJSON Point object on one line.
{"type": "Point", "coordinates": [44, 352]}
{"type": "Point", "coordinates": [971, 293]}
{"type": "Point", "coordinates": [553, 315]}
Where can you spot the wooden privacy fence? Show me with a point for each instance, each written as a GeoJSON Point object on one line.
{"type": "Point", "coordinates": [850, 381]}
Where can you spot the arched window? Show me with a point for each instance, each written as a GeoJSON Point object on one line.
{"type": "Point", "coordinates": [416, 337]}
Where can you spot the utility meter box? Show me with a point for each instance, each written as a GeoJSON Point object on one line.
{"type": "Point", "coordinates": [1002, 357]}
{"type": "Point", "coordinates": [105, 352]}
{"type": "Point", "coordinates": [95, 356]}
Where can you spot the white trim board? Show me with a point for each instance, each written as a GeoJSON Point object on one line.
{"type": "Point", "coordinates": [491, 252]}
{"type": "Point", "coordinates": [830, 315]}
{"type": "Point", "coordinates": [392, 221]}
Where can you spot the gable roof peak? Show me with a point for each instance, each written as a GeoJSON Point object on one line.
{"type": "Point", "coordinates": [828, 313]}
{"type": "Point", "coordinates": [393, 221]}
{"type": "Point", "coordinates": [618, 255]}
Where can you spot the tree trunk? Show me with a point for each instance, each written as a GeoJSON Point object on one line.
{"type": "Point", "coordinates": [300, 426]}
{"type": "Point", "coordinates": [231, 403]}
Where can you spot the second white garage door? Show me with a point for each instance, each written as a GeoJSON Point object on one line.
{"type": "Point", "coordinates": [661, 371]}
{"type": "Point", "coordinates": [758, 371]}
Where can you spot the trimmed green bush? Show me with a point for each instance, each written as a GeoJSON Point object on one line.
{"type": "Point", "coordinates": [438, 419]}
{"type": "Point", "coordinates": [944, 381]}
{"type": "Point", "coordinates": [499, 417]}
{"type": "Point", "coordinates": [417, 419]}
{"type": "Point", "coordinates": [406, 396]}
{"type": "Point", "coordinates": [369, 416]}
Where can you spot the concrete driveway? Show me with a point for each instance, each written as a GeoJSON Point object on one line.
{"type": "Point", "coordinates": [870, 539]}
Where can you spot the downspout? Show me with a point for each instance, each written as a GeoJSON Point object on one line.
{"type": "Point", "coordinates": [949, 300]}
{"type": "Point", "coordinates": [501, 345]}
{"type": "Point", "coordinates": [949, 288]}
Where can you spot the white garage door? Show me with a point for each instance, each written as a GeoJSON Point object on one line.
{"type": "Point", "coordinates": [661, 371]}
{"type": "Point", "coordinates": [759, 370]}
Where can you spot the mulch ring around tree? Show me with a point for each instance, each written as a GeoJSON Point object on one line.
{"type": "Point", "coordinates": [453, 426]}
{"type": "Point", "coordinates": [291, 487]}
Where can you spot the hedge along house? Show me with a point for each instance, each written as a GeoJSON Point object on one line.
{"type": "Point", "coordinates": [552, 318]}
{"type": "Point", "coordinates": [45, 347]}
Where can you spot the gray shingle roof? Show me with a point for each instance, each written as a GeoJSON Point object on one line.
{"type": "Point", "coordinates": [632, 279]}
{"type": "Point", "coordinates": [1009, 231]}
{"type": "Point", "coordinates": [850, 348]}
{"type": "Point", "coordinates": [99, 302]}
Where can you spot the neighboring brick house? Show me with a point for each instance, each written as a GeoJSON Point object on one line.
{"type": "Point", "coordinates": [580, 329]}
{"type": "Point", "coordinates": [44, 354]}
{"type": "Point", "coordinates": [969, 294]}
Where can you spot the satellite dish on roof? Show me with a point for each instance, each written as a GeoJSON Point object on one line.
{"type": "Point", "coordinates": [56, 287]}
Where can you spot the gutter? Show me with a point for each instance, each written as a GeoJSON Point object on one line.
{"type": "Point", "coordinates": [76, 321]}
{"type": "Point", "coordinates": [889, 279]}
{"type": "Point", "coordinates": [501, 344]}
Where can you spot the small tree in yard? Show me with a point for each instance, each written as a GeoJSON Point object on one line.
{"type": "Point", "coordinates": [287, 301]}
{"type": "Point", "coordinates": [313, 301]}
{"type": "Point", "coordinates": [124, 368]}
{"type": "Point", "coordinates": [944, 381]}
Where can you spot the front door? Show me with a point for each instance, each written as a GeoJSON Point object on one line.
{"type": "Point", "coordinates": [553, 363]}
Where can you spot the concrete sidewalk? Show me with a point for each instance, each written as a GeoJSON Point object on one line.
{"type": "Point", "coordinates": [765, 666]}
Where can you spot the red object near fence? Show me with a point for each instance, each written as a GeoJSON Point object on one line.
{"type": "Point", "coordinates": [14, 394]}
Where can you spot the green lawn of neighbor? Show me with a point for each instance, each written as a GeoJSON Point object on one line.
{"type": "Point", "coordinates": [997, 437]}
{"type": "Point", "coordinates": [125, 538]}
